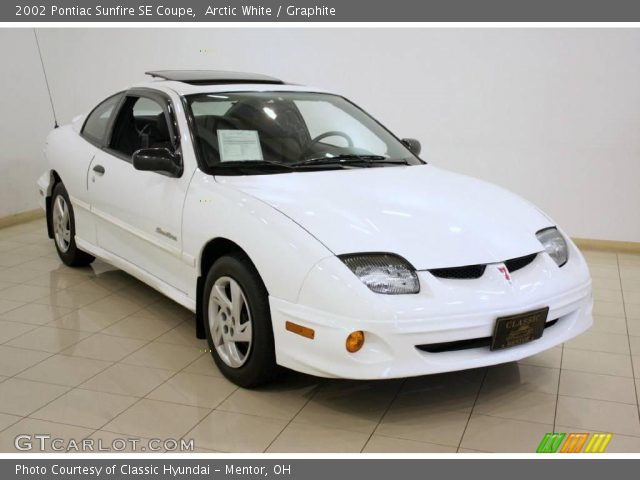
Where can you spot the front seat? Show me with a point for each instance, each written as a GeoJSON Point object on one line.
{"type": "Point", "coordinates": [282, 138]}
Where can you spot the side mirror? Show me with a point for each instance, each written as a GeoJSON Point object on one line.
{"type": "Point", "coordinates": [413, 145]}
{"type": "Point", "coordinates": [157, 160]}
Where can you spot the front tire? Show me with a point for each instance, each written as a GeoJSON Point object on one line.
{"type": "Point", "coordinates": [64, 229]}
{"type": "Point", "coordinates": [238, 322]}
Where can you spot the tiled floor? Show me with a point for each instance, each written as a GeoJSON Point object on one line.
{"type": "Point", "coordinates": [93, 353]}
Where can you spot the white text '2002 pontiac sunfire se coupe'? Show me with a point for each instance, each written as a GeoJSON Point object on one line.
{"type": "Point", "coordinates": [304, 234]}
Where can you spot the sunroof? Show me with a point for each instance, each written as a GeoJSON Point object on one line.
{"type": "Point", "coordinates": [213, 77]}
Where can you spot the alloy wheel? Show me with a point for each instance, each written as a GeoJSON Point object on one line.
{"type": "Point", "coordinates": [61, 224]}
{"type": "Point", "coordinates": [230, 322]}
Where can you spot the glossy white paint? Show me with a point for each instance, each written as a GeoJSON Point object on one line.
{"type": "Point", "coordinates": [131, 207]}
{"type": "Point", "coordinates": [293, 225]}
{"type": "Point", "coordinates": [334, 303]}
{"type": "Point", "coordinates": [70, 156]}
{"type": "Point", "coordinates": [431, 217]}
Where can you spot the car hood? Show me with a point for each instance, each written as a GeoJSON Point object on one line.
{"type": "Point", "coordinates": [431, 217]}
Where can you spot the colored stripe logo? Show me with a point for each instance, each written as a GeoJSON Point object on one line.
{"type": "Point", "coordinates": [574, 443]}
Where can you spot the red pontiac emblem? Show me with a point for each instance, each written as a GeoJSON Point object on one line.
{"type": "Point", "coordinates": [505, 271]}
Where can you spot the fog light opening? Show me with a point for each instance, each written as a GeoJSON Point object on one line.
{"type": "Point", "coordinates": [355, 341]}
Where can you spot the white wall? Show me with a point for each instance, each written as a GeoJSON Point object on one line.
{"type": "Point", "coordinates": [553, 115]}
{"type": "Point", "coordinates": [25, 119]}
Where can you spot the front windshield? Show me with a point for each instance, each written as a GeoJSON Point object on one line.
{"type": "Point", "coordinates": [290, 129]}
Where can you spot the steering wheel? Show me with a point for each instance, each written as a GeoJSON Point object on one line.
{"type": "Point", "coordinates": [333, 133]}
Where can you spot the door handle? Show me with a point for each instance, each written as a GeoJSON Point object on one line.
{"type": "Point", "coordinates": [99, 169]}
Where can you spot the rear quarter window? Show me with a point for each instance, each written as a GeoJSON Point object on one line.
{"type": "Point", "coordinates": [97, 123]}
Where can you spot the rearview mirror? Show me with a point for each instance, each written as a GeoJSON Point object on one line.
{"type": "Point", "coordinates": [157, 160]}
{"type": "Point", "coordinates": [413, 145]}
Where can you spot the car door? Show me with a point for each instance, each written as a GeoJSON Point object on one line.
{"type": "Point", "coordinates": [138, 214]}
{"type": "Point", "coordinates": [73, 167]}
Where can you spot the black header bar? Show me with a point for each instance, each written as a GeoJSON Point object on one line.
{"type": "Point", "coordinates": [190, 11]}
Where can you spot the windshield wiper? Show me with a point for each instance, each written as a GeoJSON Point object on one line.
{"type": "Point", "coordinates": [349, 159]}
{"type": "Point", "coordinates": [255, 163]}
{"type": "Point", "coordinates": [246, 165]}
{"type": "Point", "coordinates": [339, 161]}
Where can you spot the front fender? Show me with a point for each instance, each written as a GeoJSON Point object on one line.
{"type": "Point", "coordinates": [282, 251]}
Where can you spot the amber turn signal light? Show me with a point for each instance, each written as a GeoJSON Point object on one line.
{"type": "Point", "coordinates": [355, 341]}
{"type": "Point", "coordinates": [300, 330]}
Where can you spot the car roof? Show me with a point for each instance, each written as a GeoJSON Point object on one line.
{"type": "Point", "coordinates": [213, 77]}
{"type": "Point", "coordinates": [188, 82]}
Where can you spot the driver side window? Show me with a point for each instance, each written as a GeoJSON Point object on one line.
{"type": "Point", "coordinates": [141, 123]}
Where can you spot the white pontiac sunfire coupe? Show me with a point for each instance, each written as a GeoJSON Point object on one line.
{"type": "Point", "coordinates": [304, 234]}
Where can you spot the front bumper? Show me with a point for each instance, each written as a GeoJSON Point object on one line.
{"type": "Point", "coordinates": [444, 311]}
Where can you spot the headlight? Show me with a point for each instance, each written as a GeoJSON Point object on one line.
{"type": "Point", "coordinates": [383, 272]}
{"type": "Point", "coordinates": [554, 244]}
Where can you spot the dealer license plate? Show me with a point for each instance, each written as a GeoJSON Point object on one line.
{"type": "Point", "coordinates": [518, 329]}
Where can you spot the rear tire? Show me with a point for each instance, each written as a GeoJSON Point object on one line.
{"type": "Point", "coordinates": [237, 322]}
{"type": "Point", "coordinates": [64, 229]}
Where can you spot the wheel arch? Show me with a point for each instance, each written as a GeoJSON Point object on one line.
{"type": "Point", "coordinates": [212, 251]}
{"type": "Point", "coordinates": [54, 179]}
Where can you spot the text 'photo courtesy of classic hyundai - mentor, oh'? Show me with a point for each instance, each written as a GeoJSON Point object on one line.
{"type": "Point", "coordinates": [304, 234]}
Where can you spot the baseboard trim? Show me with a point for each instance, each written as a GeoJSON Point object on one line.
{"type": "Point", "coordinates": [22, 217]}
{"type": "Point", "coordinates": [607, 245]}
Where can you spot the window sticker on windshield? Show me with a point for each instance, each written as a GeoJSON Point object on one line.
{"type": "Point", "coordinates": [239, 146]}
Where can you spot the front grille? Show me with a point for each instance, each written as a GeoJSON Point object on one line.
{"type": "Point", "coordinates": [464, 344]}
{"type": "Point", "coordinates": [469, 271]}
{"type": "Point", "coordinates": [476, 271]}
{"type": "Point", "coordinates": [517, 263]}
